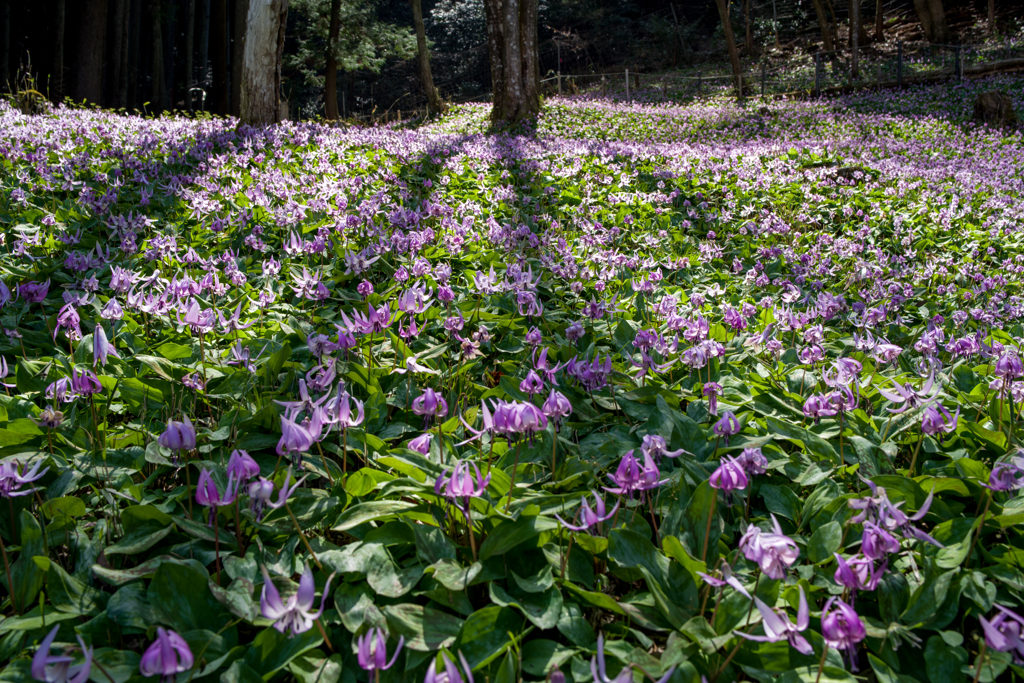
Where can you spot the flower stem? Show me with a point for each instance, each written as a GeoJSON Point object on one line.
{"type": "Point", "coordinates": [981, 528]}
{"type": "Point", "coordinates": [469, 524]}
{"type": "Point", "coordinates": [981, 657]}
{"type": "Point", "coordinates": [216, 546]}
{"type": "Point", "coordinates": [913, 460]}
{"type": "Point", "coordinates": [302, 535]}
{"type": "Point", "coordinates": [821, 664]}
{"type": "Point", "coordinates": [512, 486]}
{"type": "Point", "coordinates": [707, 529]}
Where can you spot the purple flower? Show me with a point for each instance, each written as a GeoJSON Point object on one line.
{"type": "Point", "coordinates": [753, 461]}
{"type": "Point", "coordinates": [534, 337]}
{"type": "Point", "coordinates": [13, 476]}
{"type": "Point", "coordinates": [365, 288]}
{"type": "Point", "coordinates": [179, 436]}
{"type": "Point", "coordinates": [533, 384]}
{"type": "Point", "coordinates": [525, 419]}
{"type": "Point", "coordinates": [372, 652]}
{"type": "Point", "coordinates": [241, 466]}
{"type": "Point", "coordinates": [877, 508]}
{"type": "Point", "coordinates": [461, 484]}
{"type": "Point", "coordinates": [208, 496]}
{"type": "Point", "coordinates": [57, 669]}
{"type": "Point", "coordinates": [296, 614]}
{"type": "Point", "coordinates": [657, 448]}
{"type": "Point", "coordinates": [556, 407]}
{"type": "Point", "coordinates": [778, 626]}
{"type": "Point", "coordinates": [729, 476]}
{"type": "Point", "coordinates": [859, 573]}
{"type": "Point", "coordinates": [261, 491]}
{"type": "Point", "coordinates": [590, 516]}
{"type": "Point", "coordinates": [101, 347]}
{"type": "Point", "coordinates": [233, 323]}
{"type": "Point", "coordinates": [1004, 633]}
{"type": "Point", "coordinates": [1005, 476]}
{"type": "Point", "coordinates": [600, 673]}
{"type": "Point", "coordinates": [430, 404]}
{"type": "Point", "coordinates": [49, 418]}
{"type": "Point", "coordinates": [774, 552]}
{"type": "Point", "coordinates": [711, 392]}
{"type": "Point", "coordinates": [630, 476]}
{"type": "Point", "coordinates": [167, 656]}
{"type": "Point", "coordinates": [34, 292]}
{"type": "Point", "coordinates": [817, 406]}
{"type": "Point", "coordinates": [937, 420]}
{"type": "Point", "coordinates": [84, 382]}
{"type": "Point", "coordinates": [421, 444]}
{"type": "Point", "coordinates": [842, 628]}
{"type": "Point", "coordinates": [727, 426]}
{"type": "Point", "coordinates": [728, 579]}
{"type": "Point", "coordinates": [295, 440]}
{"type": "Point", "coordinates": [451, 673]}
{"type": "Point", "coordinates": [876, 543]}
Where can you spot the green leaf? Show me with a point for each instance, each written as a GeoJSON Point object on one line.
{"type": "Point", "coordinates": [181, 598]}
{"type": "Point", "coordinates": [68, 594]}
{"type": "Point", "coordinates": [510, 533]}
{"type": "Point", "coordinates": [542, 609]}
{"type": "Point", "coordinates": [27, 576]}
{"type": "Point", "coordinates": [824, 541]}
{"type": "Point", "coordinates": [272, 651]}
{"type": "Point", "coordinates": [944, 663]}
{"type": "Point", "coordinates": [370, 510]}
{"type": "Point", "coordinates": [486, 634]}
{"type": "Point", "coordinates": [425, 629]}
{"type": "Point", "coordinates": [702, 503]}
{"type": "Point", "coordinates": [782, 501]}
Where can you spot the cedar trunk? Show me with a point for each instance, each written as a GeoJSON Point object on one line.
{"type": "Point", "coordinates": [5, 44]}
{"type": "Point", "coordinates": [855, 29]}
{"type": "Point", "coordinates": [746, 23]}
{"type": "Point", "coordinates": [57, 87]}
{"type": "Point", "coordinates": [434, 105]}
{"type": "Point", "coordinates": [932, 16]}
{"type": "Point", "coordinates": [203, 19]}
{"type": "Point", "coordinates": [826, 34]}
{"type": "Point", "coordinates": [261, 72]}
{"type": "Point", "coordinates": [515, 67]}
{"type": "Point", "coordinates": [237, 55]}
{"type": "Point", "coordinates": [331, 72]}
{"type": "Point", "coordinates": [117, 87]}
{"type": "Point", "coordinates": [220, 94]}
{"type": "Point", "coordinates": [156, 67]}
{"type": "Point", "coordinates": [92, 41]}
{"type": "Point", "coordinates": [879, 21]}
{"type": "Point", "coordinates": [190, 46]}
{"type": "Point", "coordinates": [730, 42]}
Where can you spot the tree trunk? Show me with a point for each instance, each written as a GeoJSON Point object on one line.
{"type": "Point", "coordinates": [92, 41]}
{"type": "Point", "coordinates": [5, 45]}
{"type": "Point", "coordinates": [730, 42]}
{"type": "Point", "coordinates": [879, 21]}
{"type": "Point", "coordinates": [746, 23]}
{"type": "Point", "coordinates": [156, 93]}
{"type": "Point", "coordinates": [168, 9]}
{"type": "Point", "coordinates": [190, 45]}
{"type": "Point", "coordinates": [134, 53]}
{"type": "Point", "coordinates": [826, 34]}
{"type": "Point", "coordinates": [203, 17]}
{"type": "Point", "coordinates": [515, 69]}
{"type": "Point", "coordinates": [933, 20]}
{"type": "Point", "coordinates": [237, 55]}
{"type": "Point", "coordinates": [220, 94]}
{"type": "Point", "coordinates": [331, 72]}
{"type": "Point", "coordinates": [991, 16]}
{"type": "Point", "coordinates": [261, 71]}
{"type": "Point", "coordinates": [118, 57]}
{"type": "Point", "coordinates": [855, 29]}
{"type": "Point", "coordinates": [57, 88]}
{"type": "Point", "coordinates": [434, 105]}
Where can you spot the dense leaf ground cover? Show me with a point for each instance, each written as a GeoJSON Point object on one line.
{"type": "Point", "coordinates": [283, 401]}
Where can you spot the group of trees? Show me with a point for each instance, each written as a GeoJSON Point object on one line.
{"type": "Point", "coordinates": [165, 54]}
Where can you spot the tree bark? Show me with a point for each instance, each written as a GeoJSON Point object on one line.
{"type": "Point", "coordinates": [92, 40]}
{"type": "Point", "coordinates": [134, 53]}
{"type": "Point", "coordinates": [57, 87]}
{"type": "Point", "coordinates": [855, 29]}
{"type": "Point", "coordinates": [203, 17]}
{"type": "Point", "coordinates": [190, 44]}
{"type": "Point", "coordinates": [932, 16]}
{"type": "Point", "coordinates": [991, 16]}
{"type": "Point", "coordinates": [512, 48]}
{"type": "Point", "coordinates": [156, 93]}
{"type": "Point", "coordinates": [730, 42]}
{"type": "Point", "coordinates": [879, 21]}
{"type": "Point", "coordinates": [261, 71]}
{"type": "Point", "coordinates": [118, 57]}
{"type": "Point", "coordinates": [331, 72]}
{"type": "Point", "coordinates": [434, 105]}
{"type": "Point", "coordinates": [219, 57]}
{"type": "Point", "coordinates": [746, 23]}
{"type": "Point", "coordinates": [5, 45]}
{"type": "Point", "coordinates": [237, 55]}
{"type": "Point", "coordinates": [826, 34]}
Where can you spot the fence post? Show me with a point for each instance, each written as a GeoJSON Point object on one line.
{"type": "Point", "coordinates": [739, 89]}
{"type": "Point", "coordinates": [700, 85]}
{"type": "Point", "coordinates": [959, 63]}
{"type": "Point", "coordinates": [899, 64]}
{"type": "Point", "coordinates": [764, 72]}
{"type": "Point", "coordinates": [817, 74]}
{"type": "Point", "coordinates": [627, 84]}
{"type": "Point", "coordinates": [559, 82]}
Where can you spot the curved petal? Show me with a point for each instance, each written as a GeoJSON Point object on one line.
{"type": "Point", "coordinates": [42, 654]}
{"type": "Point", "coordinates": [307, 590]}
{"type": "Point", "coordinates": [467, 667]}
{"type": "Point", "coordinates": [394, 657]}
{"type": "Point", "coordinates": [803, 614]}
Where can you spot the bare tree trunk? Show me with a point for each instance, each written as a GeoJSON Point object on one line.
{"type": "Point", "coordinates": [730, 42]}
{"type": "Point", "coordinates": [167, 16]}
{"type": "Point", "coordinates": [854, 38]}
{"type": "Point", "coordinates": [434, 105]}
{"type": "Point", "coordinates": [261, 72]}
{"type": "Point", "coordinates": [991, 16]}
{"type": "Point", "coordinates": [238, 55]}
{"type": "Point", "coordinates": [512, 48]}
{"type": "Point", "coordinates": [932, 16]}
{"type": "Point", "coordinates": [92, 41]}
{"type": "Point", "coordinates": [156, 93]}
{"type": "Point", "coordinates": [879, 21]}
{"type": "Point", "coordinates": [746, 23]}
{"type": "Point", "coordinates": [203, 17]}
{"type": "Point", "coordinates": [219, 56]}
{"type": "Point", "coordinates": [826, 34]}
{"type": "Point", "coordinates": [57, 88]}
{"type": "Point", "coordinates": [118, 58]}
{"type": "Point", "coordinates": [5, 44]}
{"type": "Point", "coordinates": [134, 53]}
{"type": "Point", "coordinates": [190, 44]}
{"type": "Point", "coordinates": [331, 72]}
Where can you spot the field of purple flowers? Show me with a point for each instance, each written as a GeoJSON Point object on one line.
{"type": "Point", "coordinates": [645, 392]}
